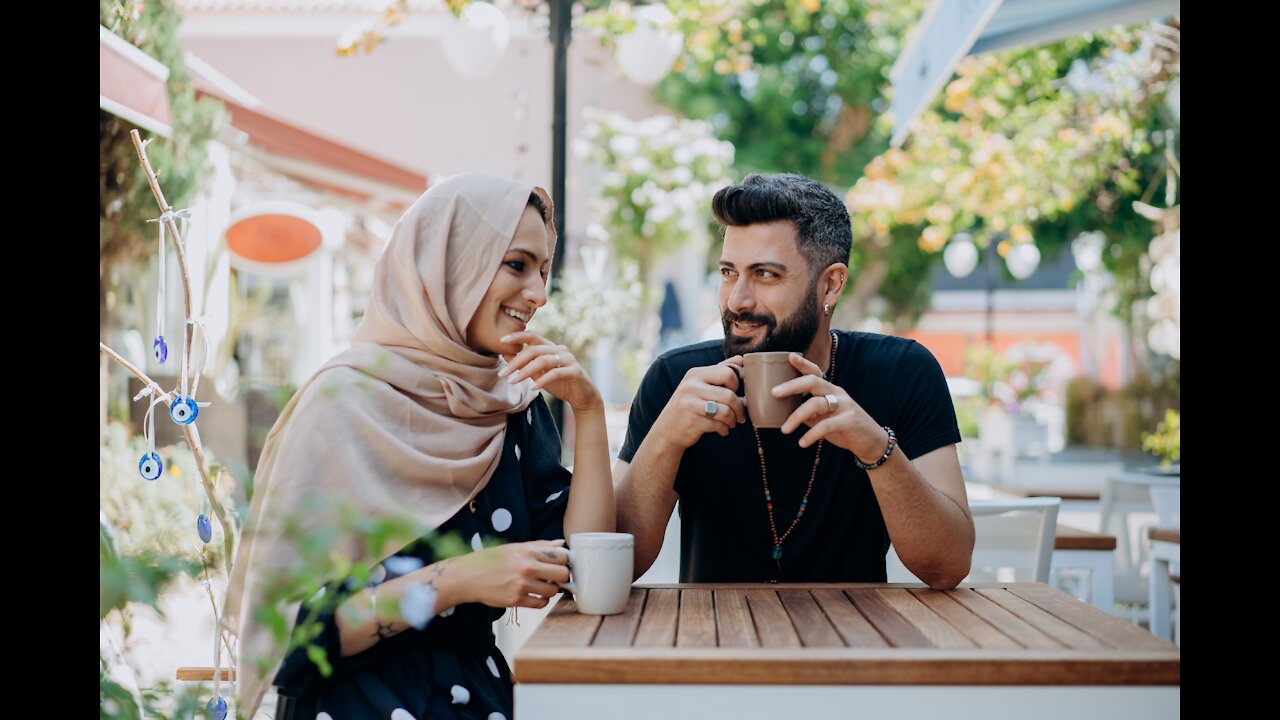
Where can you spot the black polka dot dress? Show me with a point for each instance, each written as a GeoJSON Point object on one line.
{"type": "Point", "coordinates": [450, 669]}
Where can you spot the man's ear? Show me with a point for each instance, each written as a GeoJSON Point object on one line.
{"type": "Point", "coordinates": [831, 283]}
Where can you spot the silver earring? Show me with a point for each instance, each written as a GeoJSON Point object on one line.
{"type": "Point", "coordinates": [826, 309]}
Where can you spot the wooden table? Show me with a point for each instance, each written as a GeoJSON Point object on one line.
{"type": "Point", "coordinates": [1034, 491]}
{"type": "Point", "coordinates": [1166, 549]}
{"type": "Point", "coordinates": [1012, 650]}
{"type": "Point", "coordinates": [1076, 548]}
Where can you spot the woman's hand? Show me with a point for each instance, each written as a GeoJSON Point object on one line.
{"type": "Point", "coordinates": [552, 368]}
{"type": "Point", "coordinates": [511, 575]}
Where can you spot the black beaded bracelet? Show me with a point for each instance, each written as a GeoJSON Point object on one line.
{"type": "Point", "coordinates": [893, 442]}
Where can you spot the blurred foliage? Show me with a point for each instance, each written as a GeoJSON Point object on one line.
{"type": "Point", "coordinates": [580, 311]}
{"type": "Point", "coordinates": [315, 529]}
{"type": "Point", "coordinates": [157, 516]}
{"type": "Point", "coordinates": [1036, 144]}
{"type": "Point", "coordinates": [657, 176]}
{"type": "Point", "coordinates": [138, 577]}
{"type": "Point", "coordinates": [1166, 441]}
{"type": "Point", "coordinates": [124, 236]}
{"type": "Point", "coordinates": [793, 84]}
{"type": "Point", "coordinates": [1101, 417]}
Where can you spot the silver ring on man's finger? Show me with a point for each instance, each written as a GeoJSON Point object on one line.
{"type": "Point", "coordinates": [559, 362]}
{"type": "Point", "coordinates": [711, 408]}
{"type": "Point", "coordinates": [833, 402]}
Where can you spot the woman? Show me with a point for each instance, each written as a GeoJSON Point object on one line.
{"type": "Point", "coordinates": [434, 413]}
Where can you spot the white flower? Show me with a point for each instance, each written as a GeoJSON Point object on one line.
{"type": "Point", "coordinates": [623, 144]}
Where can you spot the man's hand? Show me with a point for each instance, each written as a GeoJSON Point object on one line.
{"type": "Point", "coordinates": [837, 419]}
{"type": "Point", "coordinates": [686, 418]}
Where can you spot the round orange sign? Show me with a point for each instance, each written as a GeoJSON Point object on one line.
{"type": "Point", "coordinates": [273, 238]}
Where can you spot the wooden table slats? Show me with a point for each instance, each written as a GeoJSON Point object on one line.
{"type": "Point", "coordinates": [847, 634]}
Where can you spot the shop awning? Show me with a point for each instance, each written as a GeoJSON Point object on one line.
{"type": "Point", "coordinates": [132, 84]}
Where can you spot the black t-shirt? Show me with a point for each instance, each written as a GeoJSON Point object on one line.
{"type": "Point", "coordinates": [724, 523]}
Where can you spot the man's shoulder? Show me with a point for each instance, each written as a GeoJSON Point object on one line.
{"type": "Point", "coordinates": [876, 345]}
{"type": "Point", "coordinates": [680, 360]}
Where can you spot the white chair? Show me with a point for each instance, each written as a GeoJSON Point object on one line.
{"type": "Point", "coordinates": [1126, 511]}
{"type": "Point", "coordinates": [1013, 541]}
{"type": "Point", "coordinates": [1165, 590]}
{"type": "Point", "coordinates": [1167, 501]}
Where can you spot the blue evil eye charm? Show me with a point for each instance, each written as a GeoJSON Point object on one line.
{"type": "Point", "coordinates": [160, 349]}
{"type": "Point", "coordinates": [203, 527]}
{"type": "Point", "coordinates": [183, 410]}
{"type": "Point", "coordinates": [217, 708]}
{"type": "Point", "coordinates": [149, 466]}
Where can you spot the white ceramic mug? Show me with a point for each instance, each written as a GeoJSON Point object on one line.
{"type": "Point", "coordinates": [600, 565]}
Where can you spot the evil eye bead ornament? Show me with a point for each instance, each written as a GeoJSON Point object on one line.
{"type": "Point", "coordinates": [160, 349]}
{"type": "Point", "coordinates": [217, 708]}
{"type": "Point", "coordinates": [150, 466]}
{"type": "Point", "coordinates": [183, 410]}
{"type": "Point", "coordinates": [204, 528]}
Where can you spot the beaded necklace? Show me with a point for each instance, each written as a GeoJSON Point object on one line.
{"type": "Point", "coordinates": [764, 476]}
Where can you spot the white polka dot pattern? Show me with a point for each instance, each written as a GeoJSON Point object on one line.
{"type": "Point", "coordinates": [501, 519]}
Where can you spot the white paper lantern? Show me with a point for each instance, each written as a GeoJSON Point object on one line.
{"type": "Point", "coordinates": [474, 42]}
{"type": "Point", "coordinates": [1166, 337]}
{"type": "Point", "coordinates": [1023, 259]}
{"type": "Point", "coordinates": [646, 54]}
{"type": "Point", "coordinates": [1087, 250]}
{"type": "Point", "coordinates": [961, 256]}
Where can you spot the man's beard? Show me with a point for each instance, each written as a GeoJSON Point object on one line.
{"type": "Point", "coordinates": [794, 334]}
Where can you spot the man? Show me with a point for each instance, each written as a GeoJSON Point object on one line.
{"type": "Point", "coordinates": [762, 505]}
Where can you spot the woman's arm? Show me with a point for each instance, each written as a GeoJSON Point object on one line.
{"type": "Point", "coordinates": [553, 368]}
{"type": "Point", "coordinates": [514, 575]}
{"type": "Point", "coordinates": [591, 504]}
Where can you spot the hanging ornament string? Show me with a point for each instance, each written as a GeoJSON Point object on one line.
{"type": "Point", "coordinates": [184, 409]}
{"type": "Point", "coordinates": [217, 667]}
{"type": "Point", "coordinates": [198, 322]}
{"type": "Point", "coordinates": [159, 347]}
{"type": "Point", "coordinates": [150, 465]}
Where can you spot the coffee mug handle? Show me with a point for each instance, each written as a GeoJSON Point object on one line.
{"type": "Point", "coordinates": [569, 585]}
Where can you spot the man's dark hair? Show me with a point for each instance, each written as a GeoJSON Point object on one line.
{"type": "Point", "coordinates": [821, 220]}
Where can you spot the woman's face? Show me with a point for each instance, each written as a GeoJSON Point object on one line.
{"type": "Point", "coordinates": [519, 288]}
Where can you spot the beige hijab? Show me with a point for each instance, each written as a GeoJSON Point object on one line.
{"type": "Point", "coordinates": [409, 422]}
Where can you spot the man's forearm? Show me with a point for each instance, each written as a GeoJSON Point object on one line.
{"type": "Point", "coordinates": [646, 497]}
{"type": "Point", "coordinates": [931, 532]}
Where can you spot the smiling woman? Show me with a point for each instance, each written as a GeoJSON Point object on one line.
{"type": "Point", "coordinates": [519, 288]}
{"type": "Point", "coordinates": [433, 416]}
